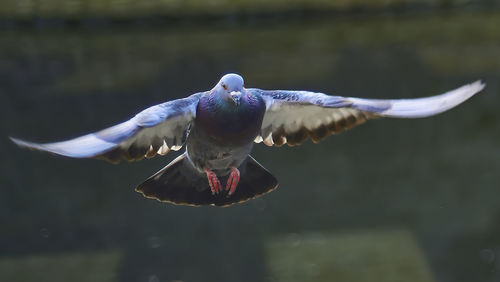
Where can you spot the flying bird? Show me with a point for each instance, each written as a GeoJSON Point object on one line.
{"type": "Point", "coordinates": [220, 126]}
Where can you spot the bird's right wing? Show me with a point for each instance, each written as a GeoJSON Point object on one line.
{"type": "Point", "coordinates": [293, 116]}
{"type": "Point", "coordinates": [155, 130]}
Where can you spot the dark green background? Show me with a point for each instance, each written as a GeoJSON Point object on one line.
{"type": "Point", "coordinates": [431, 186]}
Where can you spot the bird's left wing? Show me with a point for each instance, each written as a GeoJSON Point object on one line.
{"type": "Point", "coordinates": [293, 116]}
{"type": "Point", "coordinates": [155, 130]}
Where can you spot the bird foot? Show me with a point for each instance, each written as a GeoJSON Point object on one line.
{"type": "Point", "coordinates": [213, 182]}
{"type": "Point", "coordinates": [232, 181]}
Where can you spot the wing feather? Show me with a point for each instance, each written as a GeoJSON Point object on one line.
{"type": "Point", "coordinates": [155, 130]}
{"type": "Point", "coordinates": [294, 116]}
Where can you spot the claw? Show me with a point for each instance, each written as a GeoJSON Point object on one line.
{"type": "Point", "coordinates": [213, 182]}
{"type": "Point", "coordinates": [233, 180]}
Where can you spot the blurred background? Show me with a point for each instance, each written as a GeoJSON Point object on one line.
{"type": "Point", "coordinates": [391, 200]}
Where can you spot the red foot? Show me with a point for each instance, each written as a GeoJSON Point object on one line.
{"type": "Point", "coordinates": [213, 181]}
{"type": "Point", "coordinates": [232, 181]}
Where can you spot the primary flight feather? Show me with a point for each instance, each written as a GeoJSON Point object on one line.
{"type": "Point", "coordinates": [219, 128]}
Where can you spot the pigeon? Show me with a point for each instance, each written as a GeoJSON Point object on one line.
{"type": "Point", "coordinates": [219, 128]}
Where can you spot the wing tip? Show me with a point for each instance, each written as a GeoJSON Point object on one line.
{"type": "Point", "coordinates": [478, 86]}
{"type": "Point", "coordinates": [467, 91]}
{"type": "Point", "coordinates": [31, 145]}
{"type": "Point", "coordinates": [20, 143]}
{"type": "Point", "coordinates": [57, 148]}
{"type": "Point", "coordinates": [475, 87]}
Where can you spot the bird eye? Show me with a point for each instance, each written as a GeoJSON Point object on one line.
{"type": "Point", "coordinates": [224, 86]}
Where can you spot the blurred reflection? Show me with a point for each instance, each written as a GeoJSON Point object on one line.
{"type": "Point", "coordinates": [85, 266]}
{"type": "Point", "coordinates": [371, 255]}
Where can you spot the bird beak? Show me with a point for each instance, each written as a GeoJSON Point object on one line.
{"type": "Point", "coordinates": [235, 96]}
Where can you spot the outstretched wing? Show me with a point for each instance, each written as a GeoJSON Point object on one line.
{"type": "Point", "coordinates": [155, 130]}
{"type": "Point", "coordinates": [293, 116]}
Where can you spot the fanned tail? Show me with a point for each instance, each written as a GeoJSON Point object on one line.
{"type": "Point", "coordinates": [180, 183]}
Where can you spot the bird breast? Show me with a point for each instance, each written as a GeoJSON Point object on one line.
{"type": "Point", "coordinates": [228, 123]}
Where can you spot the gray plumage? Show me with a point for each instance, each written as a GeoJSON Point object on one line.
{"type": "Point", "coordinates": [220, 126]}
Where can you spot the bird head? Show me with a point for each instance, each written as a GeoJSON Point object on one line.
{"type": "Point", "coordinates": [231, 86]}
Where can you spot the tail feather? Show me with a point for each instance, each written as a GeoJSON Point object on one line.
{"type": "Point", "coordinates": [180, 183]}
